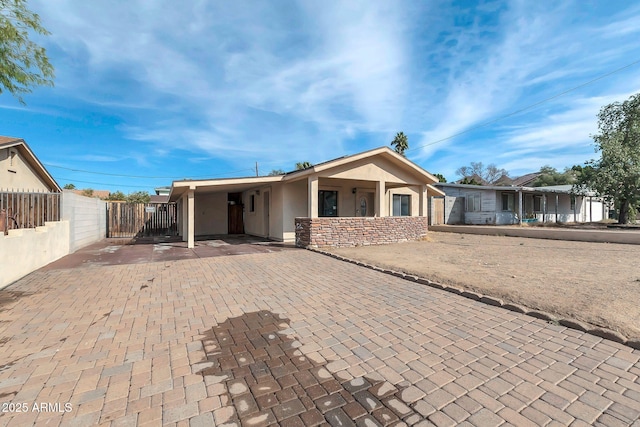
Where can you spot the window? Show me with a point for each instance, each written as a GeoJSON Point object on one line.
{"type": "Point", "coordinates": [508, 202]}
{"type": "Point", "coordinates": [537, 204]}
{"type": "Point", "coordinates": [473, 202]}
{"type": "Point", "coordinates": [252, 203]}
{"type": "Point", "coordinates": [401, 205]}
{"type": "Point", "coordinates": [573, 202]}
{"type": "Point", "coordinates": [327, 203]}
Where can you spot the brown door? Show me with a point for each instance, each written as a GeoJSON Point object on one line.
{"type": "Point", "coordinates": [236, 225]}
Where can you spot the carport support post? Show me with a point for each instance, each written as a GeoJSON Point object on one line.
{"type": "Point", "coordinates": [422, 190]}
{"type": "Point", "coordinates": [520, 206]}
{"type": "Point", "coordinates": [191, 217]}
{"type": "Point", "coordinates": [380, 191]}
{"type": "Point", "coordinates": [557, 196]}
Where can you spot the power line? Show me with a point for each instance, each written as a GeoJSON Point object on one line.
{"type": "Point", "coordinates": [529, 107]}
{"type": "Point", "coordinates": [142, 176]}
{"type": "Point", "coordinates": [103, 183]}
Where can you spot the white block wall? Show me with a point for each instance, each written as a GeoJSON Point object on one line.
{"type": "Point", "coordinates": [87, 217]}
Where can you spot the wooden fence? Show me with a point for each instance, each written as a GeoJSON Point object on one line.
{"type": "Point", "coordinates": [27, 210]}
{"type": "Point", "coordinates": [141, 219]}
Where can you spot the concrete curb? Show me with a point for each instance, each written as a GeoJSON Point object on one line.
{"type": "Point", "coordinates": [496, 302]}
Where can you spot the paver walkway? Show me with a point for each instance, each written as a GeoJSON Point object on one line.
{"type": "Point", "coordinates": [294, 338]}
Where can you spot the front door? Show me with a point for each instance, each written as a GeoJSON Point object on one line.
{"type": "Point", "coordinates": [235, 222]}
{"type": "Point", "coordinates": [364, 203]}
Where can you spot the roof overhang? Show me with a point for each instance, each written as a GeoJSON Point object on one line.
{"type": "Point", "coordinates": [433, 191]}
{"type": "Point", "coordinates": [31, 159]}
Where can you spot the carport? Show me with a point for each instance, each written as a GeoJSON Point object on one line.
{"type": "Point", "coordinates": [214, 206]}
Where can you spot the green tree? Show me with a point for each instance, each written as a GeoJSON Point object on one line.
{"type": "Point", "coordinates": [440, 177]}
{"type": "Point", "coordinates": [276, 172]}
{"type": "Point", "coordinates": [69, 186]}
{"type": "Point", "coordinates": [400, 143]}
{"type": "Point", "coordinates": [616, 173]}
{"type": "Point", "coordinates": [23, 63]}
{"type": "Point", "coordinates": [117, 196]}
{"type": "Point", "coordinates": [551, 176]}
{"type": "Point", "coordinates": [303, 165]}
{"type": "Point", "coordinates": [138, 197]}
{"type": "Point", "coordinates": [470, 180]}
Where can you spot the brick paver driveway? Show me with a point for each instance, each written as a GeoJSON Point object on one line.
{"type": "Point", "coordinates": [291, 337]}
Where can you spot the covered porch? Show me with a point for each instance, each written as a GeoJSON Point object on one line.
{"type": "Point", "coordinates": [548, 204]}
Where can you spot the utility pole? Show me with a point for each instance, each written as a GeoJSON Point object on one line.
{"type": "Point", "coordinates": [257, 169]}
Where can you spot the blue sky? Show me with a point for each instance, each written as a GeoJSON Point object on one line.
{"type": "Point", "coordinates": [201, 89]}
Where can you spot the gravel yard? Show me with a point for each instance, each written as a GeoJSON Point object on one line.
{"type": "Point", "coordinates": [598, 283]}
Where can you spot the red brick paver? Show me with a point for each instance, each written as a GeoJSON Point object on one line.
{"type": "Point", "coordinates": [135, 344]}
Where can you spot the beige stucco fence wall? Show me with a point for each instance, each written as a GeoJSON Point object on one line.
{"type": "Point", "coordinates": [27, 249]}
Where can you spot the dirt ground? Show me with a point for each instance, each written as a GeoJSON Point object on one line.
{"type": "Point", "coordinates": [598, 283]}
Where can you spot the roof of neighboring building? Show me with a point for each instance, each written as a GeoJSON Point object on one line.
{"type": "Point", "coordinates": [154, 198]}
{"type": "Point", "coordinates": [525, 180]}
{"type": "Point", "coordinates": [31, 159]}
{"type": "Point", "coordinates": [162, 191]}
{"type": "Point", "coordinates": [98, 194]}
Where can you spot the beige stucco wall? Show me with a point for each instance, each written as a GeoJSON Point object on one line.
{"type": "Point", "coordinates": [414, 205]}
{"type": "Point", "coordinates": [25, 250]}
{"type": "Point", "coordinates": [254, 222]}
{"type": "Point", "coordinates": [18, 176]}
{"type": "Point", "coordinates": [372, 169]}
{"type": "Point", "coordinates": [294, 204]}
{"type": "Point", "coordinates": [211, 214]}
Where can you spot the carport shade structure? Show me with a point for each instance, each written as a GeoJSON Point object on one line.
{"type": "Point", "coordinates": [375, 184]}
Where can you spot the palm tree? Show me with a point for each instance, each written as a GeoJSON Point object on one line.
{"type": "Point", "coordinates": [400, 143]}
{"type": "Point", "coordinates": [303, 165]}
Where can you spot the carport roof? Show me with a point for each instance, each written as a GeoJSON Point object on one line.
{"type": "Point", "coordinates": [232, 185]}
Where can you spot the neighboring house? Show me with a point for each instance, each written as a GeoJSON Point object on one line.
{"type": "Point", "coordinates": [161, 196]}
{"type": "Point", "coordinates": [20, 169]}
{"type": "Point", "coordinates": [501, 205]}
{"type": "Point", "coordinates": [377, 196]}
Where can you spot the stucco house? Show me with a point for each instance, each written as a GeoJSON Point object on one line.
{"type": "Point", "coordinates": [20, 169]}
{"type": "Point", "coordinates": [373, 197]}
{"type": "Point", "coordinates": [502, 205]}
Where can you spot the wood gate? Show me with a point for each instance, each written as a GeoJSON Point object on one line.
{"type": "Point", "coordinates": [141, 219]}
{"type": "Point", "coordinates": [437, 211]}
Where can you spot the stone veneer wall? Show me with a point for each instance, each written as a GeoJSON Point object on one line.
{"type": "Point", "coordinates": [358, 231]}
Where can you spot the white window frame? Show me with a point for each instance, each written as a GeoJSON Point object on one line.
{"type": "Point", "coordinates": [393, 204]}
{"type": "Point", "coordinates": [473, 202]}
{"type": "Point", "coordinates": [511, 202]}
